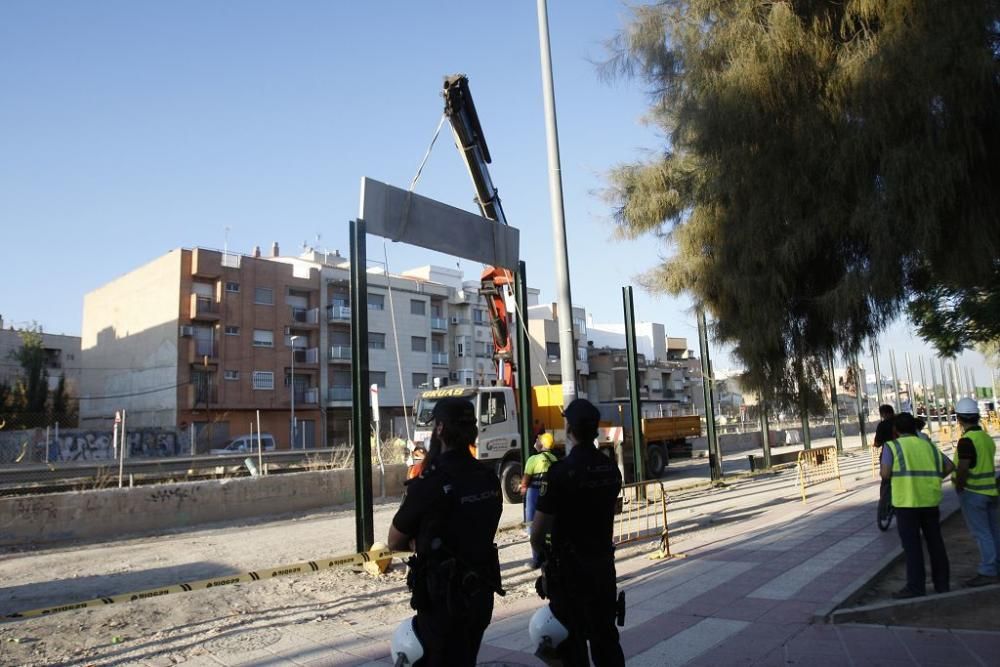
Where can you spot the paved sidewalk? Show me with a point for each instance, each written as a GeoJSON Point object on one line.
{"type": "Point", "coordinates": [747, 593]}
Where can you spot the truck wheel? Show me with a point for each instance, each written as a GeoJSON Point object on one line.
{"type": "Point", "coordinates": [510, 482]}
{"type": "Point", "coordinates": [656, 461]}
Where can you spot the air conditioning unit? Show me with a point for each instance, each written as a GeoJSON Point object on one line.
{"type": "Point", "coordinates": [454, 319]}
{"type": "Point", "coordinates": [187, 330]}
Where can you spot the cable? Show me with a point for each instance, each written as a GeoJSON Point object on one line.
{"type": "Point", "coordinates": [395, 335]}
{"type": "Point", "coordinates": [420, 169]}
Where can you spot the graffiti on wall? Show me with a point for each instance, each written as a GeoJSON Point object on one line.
{"type": "Point", "coordinates": [90, 445]}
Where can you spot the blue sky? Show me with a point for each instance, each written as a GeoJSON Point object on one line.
{"type": "Point", "coordinates": [130, 128]}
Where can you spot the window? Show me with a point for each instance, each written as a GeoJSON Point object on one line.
{"type": "Point", "coordinates": [552, 350]}
{"type": "Point", "coordinates": [263, 380]}
{"type": "Point", "coordinates": [419, 380]}
{"type": "Point", "coordinates": [231, 375]}
{"type": "Point", "coordinates": [233, 287]}
{"type": "Point", "coordinates": [492, 408]}
{"type": "Point", "coordinates": [418, 307]}
{"type": "Point", "coordinates": [263, 338]}
{"type": "Point", "coordinates": [418, 344]}
{"type": "Point", "coordinates": [479, 316]}
{"type": "Point", "coordinates": [376, 341]}
{"type": "Point", "coordinates": [232, 331]}
{"type": "Point", "coordinates": [264, 296]}
{"type": "Point", "coordinates": [376, 377]}
{"type": "Point", "coordinates": [376, 301]}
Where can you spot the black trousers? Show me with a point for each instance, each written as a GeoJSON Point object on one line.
{"type": "Point", "coordinates": [585, 601]}
{"type": "Point", "coordinates": [911, 522]}
{"type": "Point", "coordinates": [453, 639]}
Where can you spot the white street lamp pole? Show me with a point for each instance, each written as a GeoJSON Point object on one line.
{"type": "Point", "coordinates": [292, 340]}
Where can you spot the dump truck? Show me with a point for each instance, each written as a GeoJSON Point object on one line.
{"type": "Point", "coordinates": [663, 438]}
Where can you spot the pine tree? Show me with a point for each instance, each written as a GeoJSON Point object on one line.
{"type": "Point", "coordinates": [826, 161]}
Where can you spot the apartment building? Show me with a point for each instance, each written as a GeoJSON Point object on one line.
{"type": "Point", "coordinates": [669, 374]}
{"type": "Point", "coordinates": [62, 358]}
{"type": "Point", "coordinates": [543, 331]}
{"type": "Point", "coordinates": [206, 340]}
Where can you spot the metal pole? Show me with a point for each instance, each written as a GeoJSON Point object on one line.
{"type": "Point", "coordinates": [360, 408]}
{"type": "Point", "coordinates": [260, 447]}
{"type": "Point", "coordinates": [803, 406]}
{"type": "Point", "coordinates": [291, 425]}
{"type": "Point", "coordinates": [878, 376]}
{"type": "Point", "coordinates": [895, 380]}
{"type": "Point", "coordinates": [955, 383]}
{"type": "Point", "coordinates": [523, 369]}
{"type": "Point", "coordinates": [632, 357]}
{"type": "Point", "coordinates": [194, 448]}
{"type": "Point", "coordinates": [972, 382]}
{"type": "Point", "coordinates": [836, 405]}
{"type": "Point", "coordinates": [765, 432]}
{"type": "Point", "coordinates": [709, 391]}
{"type": "Point", "coordinates": [946, 389]}
{"type": "Point", "coordinates": [564, 301]}
{"type": "Point", "coordinates": [923, 393]}
{"type": "Point", "coordinates": [993, 381]}
{"type": "Point", "coordinates": [909, 385]}
{"type": "Point", "coordinates": [46, 444]}
{"type": "Point", "coordinates": [121, 452]}
{"type": "Point", "coordinates": [860, 389]}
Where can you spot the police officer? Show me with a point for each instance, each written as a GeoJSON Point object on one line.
{"type": "Point", "coordinates": [576, 510]}
{"type": "Point", "coordinates": [914, 468]}
{"type": "Point", "coordinates": [975, 481]}
{"type": "Point", "coordinates": [449, 519]}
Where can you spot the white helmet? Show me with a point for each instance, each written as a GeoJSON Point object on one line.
{"type": "Point", "coordinates": [967, 406]}
{"type": "Point", "coordinates": [546, 632]}
{"type": "Point", "coordinates": [405, 645]}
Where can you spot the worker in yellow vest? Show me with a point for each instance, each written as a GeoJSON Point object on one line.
{"type": "Point", "coordinates": [915, 468]}
{"type": "Point", "coordinates": [976, 483]}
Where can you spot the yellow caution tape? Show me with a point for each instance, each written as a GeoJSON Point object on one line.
{"type": "Point", "coordinates": [306, 567]}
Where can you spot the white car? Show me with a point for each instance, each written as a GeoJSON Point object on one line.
{"type": "Point", "coordinates": [247, 444]}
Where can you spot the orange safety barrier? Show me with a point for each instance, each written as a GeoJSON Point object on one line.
{"type": "Point", "coordinates": [817, 466]}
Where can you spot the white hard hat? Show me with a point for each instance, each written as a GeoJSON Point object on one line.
{"type": "Point", "coordinates": [546, 631]}
{"type": "Point", "coordinates": [405, 645]}
{"type": "Point", "coordinates": [967, 406]}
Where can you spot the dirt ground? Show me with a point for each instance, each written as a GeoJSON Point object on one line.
{"type": "Point", "coordinates": [963, 556]}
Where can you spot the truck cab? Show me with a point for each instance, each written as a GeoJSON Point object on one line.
{"type": "Point", "coordinates": [499, 441]}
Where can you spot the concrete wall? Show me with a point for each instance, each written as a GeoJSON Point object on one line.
{"type": "Point", "coordinates": [740, 442]}
{"type": "Point", "coordinates": [90, 445]}
{"type": "Point", "coordinates": [113, 513]}
{"type": "Point", "coordinates": [129, 346]}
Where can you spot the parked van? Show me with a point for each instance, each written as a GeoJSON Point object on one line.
{"type": "Point", "coordinates": [247, 443]}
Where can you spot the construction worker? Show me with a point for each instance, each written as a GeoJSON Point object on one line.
{"type": "Point", "coordinates": [915, 468]}
{"type": "Point", "coordinates": [449, 519]}
{"type": "Point", "coordinates": [976, 483]}
{"type": "Point", "coordinates": [536, 470]}
{"type": "Point", "coordinates": [576, 507]}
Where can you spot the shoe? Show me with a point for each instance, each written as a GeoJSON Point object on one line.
{"type": "Point", "coordinates": [906, 594]}
{"type": "Point", "coordinates": [981, 580]}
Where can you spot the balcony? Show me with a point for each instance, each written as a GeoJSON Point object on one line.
{"type": "Point", "coordinates": [439, 358]}
{"type": "Point", "coordinates": [204, 308]}
{"type": "Point", "coordinates": [439, 324]}
{"type": "Point", "coordinates": [306, 356]}
{"type": "Point", "coordinates": [203, 395]}
{"type": "Point", "coordinates": [340, 353]}
{"type": "Point", "coordinates": [308, 396]}
{"type": "Point", "coordinates": [200, 350]}
{"type": "Point", "coordinates": [206, 263]}
{"type": "Point", "coordinates": [305, 315]}
{"type": "Point", "coordinates": [339, 394]}
{"type": "Point", "coordinates": [338, 313]}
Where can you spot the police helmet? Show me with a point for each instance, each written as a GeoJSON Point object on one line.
{"type": "Point", "coordinates": [967, 407]}
{"type": "Point", "coordinates": [405, 645]}
{"type": "Point", "coordinates": [546, 632]}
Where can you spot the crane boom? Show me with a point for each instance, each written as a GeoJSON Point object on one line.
{"type": "Point", "coordinates": [495, 281]}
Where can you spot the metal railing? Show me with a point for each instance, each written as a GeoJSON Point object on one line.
{"type": "Point", "coordinates": [439, 358]}
{"type": "Point", "coordinates": [338, 394]}
{"type": "Point", "coordinates": [310, 356]}
{"type": "Point", "coordinates": [338, 313]}
{"type": "Point", "coordinates": [817, 466]}
{"type": "Point", "coordinates": [642, 514]}
{"type": "Point", "coordinates": [204, 305]}
{"type": "Point", "coordinates": [439, 324]}
{"type": "Point", "coordinates": [308, 397]}
{"type": "Point", "coordinates": [340, 352]}
{"type": "Point", "coordinates": [305, 315]}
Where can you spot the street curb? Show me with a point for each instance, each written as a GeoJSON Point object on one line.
{"type": "Point", "coordinates": [872, 614]}
{"type": "Point", "coordinates": [851, 592]}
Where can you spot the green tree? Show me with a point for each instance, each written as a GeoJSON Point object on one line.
{"type": "Point", "coordinates": [31, 390]}
{"type": "Point", "coordinates": [825, 163]}
{"type": "Point", "coordinates": [59, 406]}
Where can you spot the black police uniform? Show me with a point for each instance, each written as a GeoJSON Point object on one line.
{"type": "Point", "coordinates": [581, 495]}
{"type": "Point", "coordinates": [453, 510]}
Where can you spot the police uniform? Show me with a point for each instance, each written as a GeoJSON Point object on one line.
{"type": "Point", "coordinates": [581, 494]}
{"type": "Point", "coordinates": [452, 510]}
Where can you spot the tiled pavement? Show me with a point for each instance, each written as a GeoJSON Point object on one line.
{"type": "Point", "coordinates": [747, 593]}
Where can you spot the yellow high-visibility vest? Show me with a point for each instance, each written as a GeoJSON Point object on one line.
{"type": "Point", "coordinates": [917, 466]}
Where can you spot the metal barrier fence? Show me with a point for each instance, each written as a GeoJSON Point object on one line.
{"type": "Point", "coordinates": [817, 466]}
{"type": "Point", "coordinates": [876, 453]}
{"type": "Point", "coordinates": [642, 514]}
